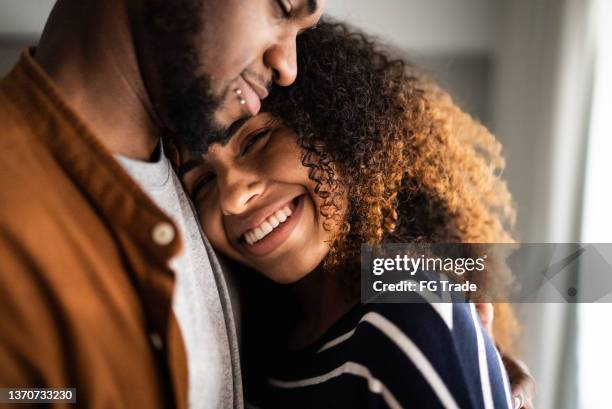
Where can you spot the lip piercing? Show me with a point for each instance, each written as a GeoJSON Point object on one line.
{"type": "Point", "coordinates": [238, 92]}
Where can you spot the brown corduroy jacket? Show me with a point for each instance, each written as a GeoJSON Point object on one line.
{"type": "Point", "coordinates": [85, 287]}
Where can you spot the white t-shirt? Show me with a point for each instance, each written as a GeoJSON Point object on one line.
{"type": "Point", "coordinates": [196, 301]}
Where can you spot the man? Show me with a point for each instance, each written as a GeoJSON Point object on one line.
{"type": "Point", "coordinates": [107, 284]}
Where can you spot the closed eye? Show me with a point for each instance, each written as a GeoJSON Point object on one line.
{"type": "Point", "coordinates": [200, 184]}
{"type": "Point", "coordinates": [253, 139]}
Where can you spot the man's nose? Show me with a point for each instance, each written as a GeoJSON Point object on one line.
{"type": "Point", "coordinates": [238, 192]}
{"type": "Point", "coordinates": [281, 57]}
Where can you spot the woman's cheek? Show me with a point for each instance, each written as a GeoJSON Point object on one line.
{"type": "Point", "coordinates": [212, 226]}
{"type": "Point", "coordinates": [211, 223]}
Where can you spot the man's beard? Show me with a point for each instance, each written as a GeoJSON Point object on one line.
{"type": "Point", "coordinates": [175, 28]}
{"type": "Point", "coordinates": [191, 108]}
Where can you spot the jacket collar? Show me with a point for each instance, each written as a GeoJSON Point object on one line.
{"type": "Point", "coordinates": [85, 159]}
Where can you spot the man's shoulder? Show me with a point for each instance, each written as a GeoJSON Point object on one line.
{"type": "Point", "coordinates": [26, 164]}
{"type": "Point", "coordinates": [26, 173]}
{"type": "Point", "coordinates": [13, 117]}
{"type": "Point", "coordinates": [37, 196]}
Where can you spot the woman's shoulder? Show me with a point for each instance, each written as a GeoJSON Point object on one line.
{"type": "Point", "coordinates": [440, 333]}
{"type": "Point", "coordinates": [399, 336]}
{"type": "Point", "coordinates": [399, 355]}
{"type": "Point", "coordinates": [440, 348]}
{"type": "Point", "coordinates": [420, 320]}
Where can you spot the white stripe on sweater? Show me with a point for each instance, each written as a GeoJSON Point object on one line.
{"type": "Point", "coordinates": [351, 368]}
{"type": "Point", "coordinates": [337, 341]}
{"type": "Point", "coordinates": [502, 369]}
{"type": "Point", "coordinates": [412, 351]}
{"type": "Point", "coordinates": [483, 366]}
{"type": "Point", "coordinates": [444, 310]}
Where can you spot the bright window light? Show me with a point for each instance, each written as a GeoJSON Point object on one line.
{"type": "Point", "coordinates": [595, 326]}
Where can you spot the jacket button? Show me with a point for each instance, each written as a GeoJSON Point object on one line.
{"type": "Point", "coordinates": [163, 233]}
{"type": "Point", "coordinates": [156, 340]}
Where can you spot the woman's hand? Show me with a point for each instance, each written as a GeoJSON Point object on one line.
{"type": "Point", "coordinates": [523, 384]}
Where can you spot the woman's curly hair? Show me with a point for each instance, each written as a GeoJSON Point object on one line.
{"type": "Point", "coordinates": [395, 160]}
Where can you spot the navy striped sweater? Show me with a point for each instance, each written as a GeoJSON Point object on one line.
{"type": "Point", "coordinates": [388, 356]}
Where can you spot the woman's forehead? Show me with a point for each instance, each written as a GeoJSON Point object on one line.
{"type": "Point", "coordinates": [254, 123]}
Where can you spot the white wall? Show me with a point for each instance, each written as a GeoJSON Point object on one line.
{"type": "Point", "coordinates": [23, 16]}
{"type": "Point", "coordinates": [429, 26]}
{"type": "Point", "coordinates": [452, 39]}
{"type": "Point", "coordinates": [21, 22]}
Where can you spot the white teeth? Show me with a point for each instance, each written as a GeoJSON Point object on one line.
{"type": "Point", "coordinates": [259, 234]}
{"type": "Point", "coordinates": [273, 221]}
{"type": "Point", "coordinates": [250, 237]}
{"type": "Point", "coordinates": [281, 216]}
{"type": "Point", "coordinates": [265, 228]}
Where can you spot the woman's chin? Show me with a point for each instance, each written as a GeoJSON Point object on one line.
{"type": "Point", "coordinates": [288, 269]}
{"type": "Point", "coordinates": [283, 277]}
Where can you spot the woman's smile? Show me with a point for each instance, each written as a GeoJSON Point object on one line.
{"type": "Point", "coordinates": [257, 202]}
{"type": "Point", "coordinates": [276, 228]}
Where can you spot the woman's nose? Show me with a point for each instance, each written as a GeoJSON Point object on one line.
{"type": "Point", "coordinates": [238, 193]}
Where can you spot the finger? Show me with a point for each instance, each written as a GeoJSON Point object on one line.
{"type": "Point", "coordinates": [518, 402]}
{"type": "Point", "coordinates": [521, 400]}
{"type": "Point", "coordinates": [523, 389]}
{"type": "Point", "coordinates": [485, 311]}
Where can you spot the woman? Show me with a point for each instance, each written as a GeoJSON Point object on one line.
{"type": "Point", "coordinates": [358, 150]}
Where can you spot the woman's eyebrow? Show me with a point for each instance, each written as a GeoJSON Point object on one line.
{"type": "Point", "coordinates": [187, 166]}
